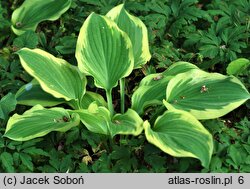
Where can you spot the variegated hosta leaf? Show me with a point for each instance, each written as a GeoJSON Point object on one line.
{"type": "Point", "coordinates": [180, 67]}
{"type": "Point", "coordinates": [238, 66]}
{"type": "Point", "coordinates": [129, 123]}
{"type": "Point", "coordinates": [152, 89]}
{"type": "Point", "coordinates": [95, 118]}
{"type": "Point", "coordinates": [7, 105]}
{"type": "Point", "coordinates": [150, 94]}
{"type": "Point", "coordinates": [104, 51]}
{"type": "Point", "coordinates": [87, 99]}
{"type": "Point", "coordinates": [136, 31]}
{"type": "Point", "coordinates": [38, 122]}
{"type": "Point", "coordinates": [98, 120]}
{"type": "Point", "coordinates": [205, 95]}
{"type": "Point", "coordinates": [55, 75]}
{"type": "Point", "coordinates": [32, 94]}
{"type": "Point", "coordinates": [31, 13]}
{"type": "Point", "coordinates": [180, 134]}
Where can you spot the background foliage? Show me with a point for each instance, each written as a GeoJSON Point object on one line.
{"type": "Point", "coordinates": [210, 34]}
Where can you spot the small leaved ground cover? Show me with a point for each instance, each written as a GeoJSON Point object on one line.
{"type": "Point", "coordinates": [124, 86]}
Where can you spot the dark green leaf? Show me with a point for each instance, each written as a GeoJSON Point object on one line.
{"type": "Point", "coordinates": [7, 104]}
{"type": "Point", "coordinates": [7, 162]}
{"type": "Point", "coordinates": [35, 151]}
{"type": "Point", "coordinates": [27, 161]}
{"type": "Point", "coordinates": [29, 39]}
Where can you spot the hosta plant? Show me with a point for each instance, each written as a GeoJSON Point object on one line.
{"type": "Point", "coordinates": [108, 49]}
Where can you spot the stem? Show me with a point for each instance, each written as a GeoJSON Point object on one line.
{"type": "Point", "coordinates": [122, 94]}
{"type": "Point", "coordinates": [110, 102]}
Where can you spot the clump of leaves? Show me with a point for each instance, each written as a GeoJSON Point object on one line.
{"type": "Point", "coordinates": [179, 88]}
{"type": "Point", "coordinates": [227, 36]}
{"type": "Point", "coordinates": [231, 152]}
{"type": "Point", "coordinates": [5, 24]}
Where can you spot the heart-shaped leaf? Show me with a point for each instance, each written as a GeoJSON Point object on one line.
{"type": "Point", "coordinates": [180, 134]}
{"type": "Point", "coordinates": [38, 122]}
{"type": "Point", "coordinates": [136, 31]}
{"type": "Point", "coordinates": [31, 13]}
{"type": "Point", "coordinates": [152, 89]}
{"type": "Point", "coordinates": [205, 95]}
{"type": "Point", "coordinates": [98, 120]}
{"type": "Point", "coordinates": [32, 94]}
{"type": "Point", "coordinates": [104, 51]}
{"type": "Point", "coordinates": [55, 75]}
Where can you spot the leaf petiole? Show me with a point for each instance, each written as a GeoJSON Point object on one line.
{"type": "Point", "coordinates": [110, 102]}
{"type": "Point", "coordinates": [122, 94]}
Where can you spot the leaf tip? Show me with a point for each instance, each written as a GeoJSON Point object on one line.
{"type": "Point", "coordinates": [146, 125]}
